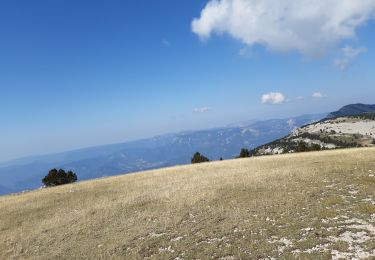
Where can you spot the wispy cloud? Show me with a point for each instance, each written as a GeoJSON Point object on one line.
{"type": "Point", "coordinates": [246, 52]}
{"type": "Point", "coordinates": [348, 55]}
{"type": "Point", "coordinates": [274, 98]}
{"type": "Point", "coordinates": [317, 94]}
{"type": "Point", "coordinates": [165, 42]}
{"type": "Point", "coordinates": [201, 109]}
{"type": "Point", "coordinates": [291, 123]}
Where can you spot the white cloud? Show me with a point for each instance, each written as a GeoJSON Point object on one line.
{"type": "Point", "coordinates": [201, 109]}
{"type": "Point", "coordinates": [274, 98]}
{"type": "Point", "coordinates": [310, 27]}
{"type": "Point", "coordinates": [317, 95]}
{"type": "Point", "coordinates": [348, 55]}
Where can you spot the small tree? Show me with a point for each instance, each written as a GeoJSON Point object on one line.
{"type": "Point", "coordinates": [198, 158]}
{"type": "Point", "coordinates": [315, 147]}
{"type": "Point", "coordinates": [244, 153]}
{"type": "Point", "coordinates": [59, 177]}
{"type": "Point", "coordinates": [302, 147]}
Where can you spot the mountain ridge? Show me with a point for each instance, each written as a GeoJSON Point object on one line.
{"type": "Point", "coordinates": [171, 149]}
{"type": "Point", "coordinates": [352, 109]}
{"type": "Point", "coordinates": [150, 153]}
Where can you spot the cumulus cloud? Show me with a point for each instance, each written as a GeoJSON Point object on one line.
{"type": "Point", "coordinates": [348, 55]}
{"type": "Point", "coordinates": [274, 98]}
{"type": "Point", "coordinates": [310, 27]}
{"type": "Point", "coordinates": [201, 109]}
{"type": "Point", "coordinates": [317, 94]}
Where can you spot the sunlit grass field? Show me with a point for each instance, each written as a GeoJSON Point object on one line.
{"type": "Point", "coordinates": [318, 205]}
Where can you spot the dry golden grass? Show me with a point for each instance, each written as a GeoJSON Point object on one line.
{"type": "Point", "coordinates": [299, 206]}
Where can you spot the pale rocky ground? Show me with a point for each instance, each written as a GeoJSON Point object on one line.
{"type": "Point", "coordinates": [341, 126]}
{"type": "Point", "coordinates": [312, 141]}
{"type": "Point", "coordinates": [318, 205]}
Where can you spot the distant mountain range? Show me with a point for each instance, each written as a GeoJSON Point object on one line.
{"type": "Point", "coordinates": [156, 152]}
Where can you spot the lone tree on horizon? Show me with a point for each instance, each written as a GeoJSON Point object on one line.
{"type": "Point", "coordinates": [59, 177]}
{"type": "Point", "coordinates": [199, 158]}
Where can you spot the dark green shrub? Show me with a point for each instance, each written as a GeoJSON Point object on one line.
{"type": "Point", "coordinates": [315, 147]}
{"type": "Point", "coordinates": [198, 158]}
{"type": "Point", "coordinates": [304, 147]}
{"type": "Point", "coordinates": [244, 153]}
{"type": "Point", "coordinates": [59, 177]}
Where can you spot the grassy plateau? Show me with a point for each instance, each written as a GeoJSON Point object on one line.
{"type": "Point", "coordinates": [318, 205]}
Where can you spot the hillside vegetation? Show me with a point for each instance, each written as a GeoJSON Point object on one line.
{"type": "Point", "coordinates": [353, 109]}
{"type": "Point", "coordinates": [318, 205]}
{"type": "Point", "coordinates": [340, 132]}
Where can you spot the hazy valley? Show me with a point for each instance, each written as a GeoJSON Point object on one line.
{"type": "Point", "coordinates": [157, 152]}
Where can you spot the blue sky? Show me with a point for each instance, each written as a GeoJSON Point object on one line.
{"type": "Point", "coordinates": [84, 73]}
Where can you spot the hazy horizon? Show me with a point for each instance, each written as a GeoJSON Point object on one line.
{"type": "Point", "coordinates": [77, 75]}
{"type": "Point", "coordinates": [229, 124]}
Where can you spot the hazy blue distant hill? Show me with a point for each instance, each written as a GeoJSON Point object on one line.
{"type": "Point", "coordinates": [4, 190]}
{"type": "Point", "coordinates": [352, 109]}
{"type": "Point", "coordinates": [156, 152]}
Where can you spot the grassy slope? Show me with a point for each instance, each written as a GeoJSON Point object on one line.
{"type": "Point", "coordinates": [311, 205]}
